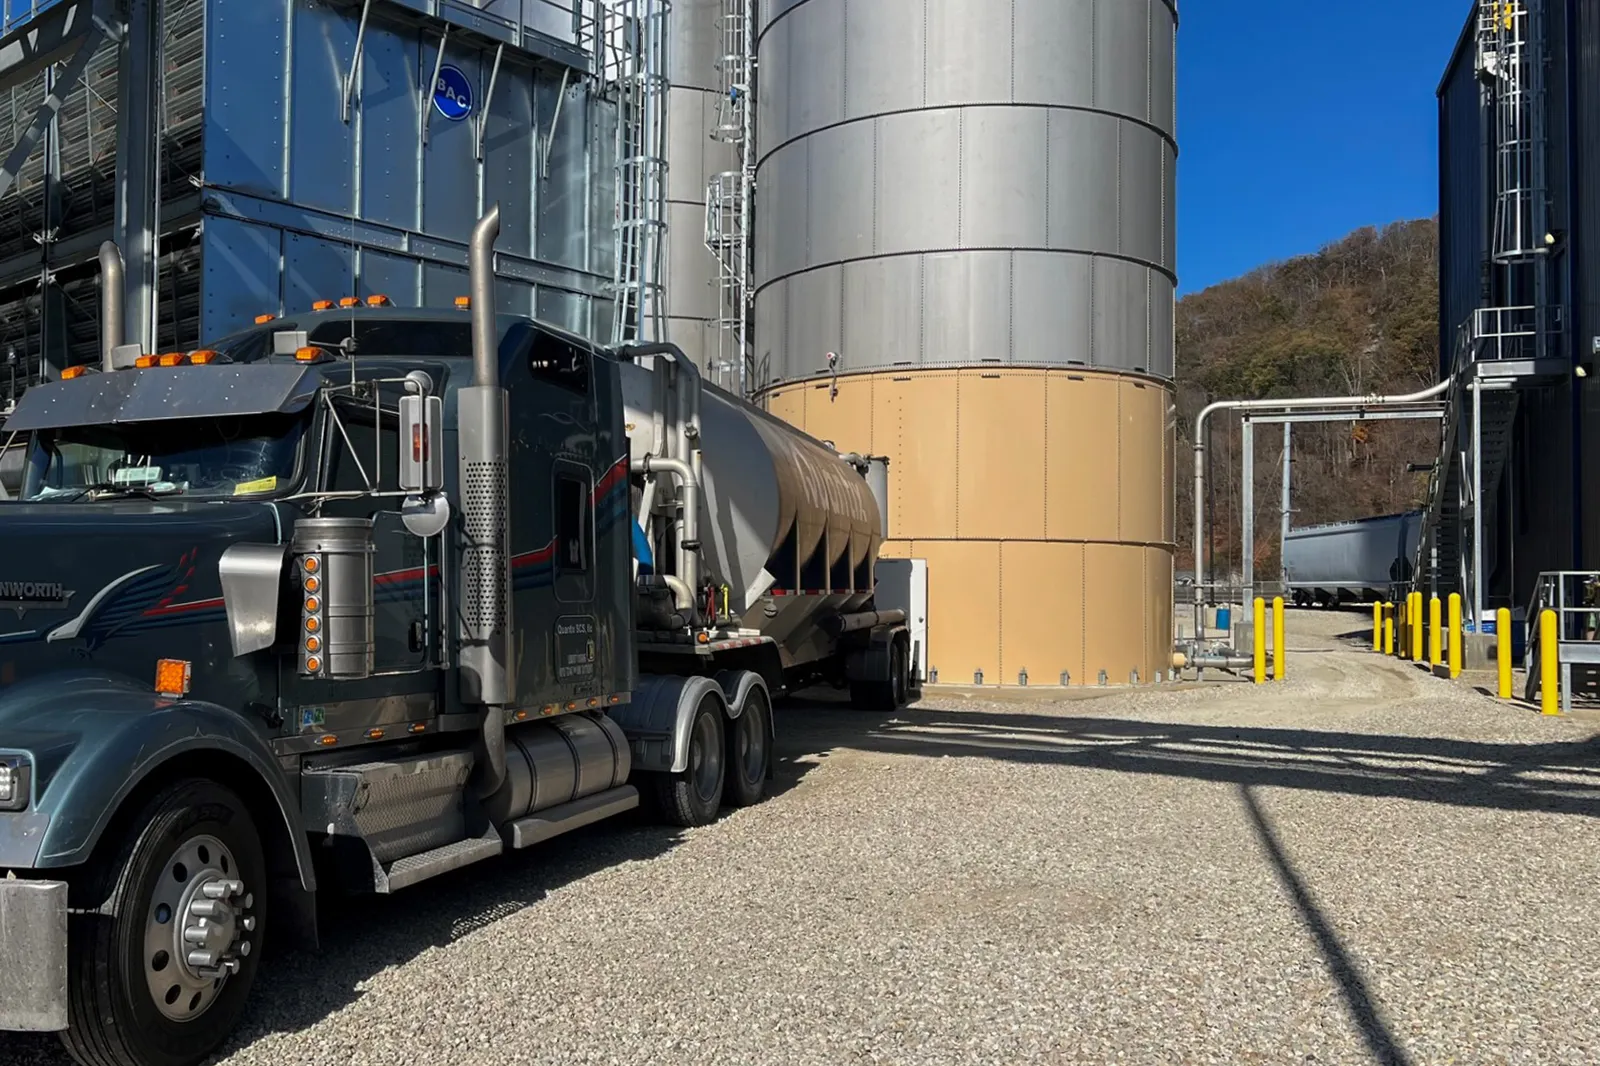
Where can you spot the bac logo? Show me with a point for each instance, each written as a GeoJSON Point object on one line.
{"type": "Point", "coordinates": [452, 94]}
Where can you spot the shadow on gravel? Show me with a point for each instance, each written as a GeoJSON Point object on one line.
{"type": "Point", "coordinates": [1363, 1010]}
{"type": "Point", "coordinates": [364, 935]}
{"type": "Point", "coordinates": [1562, 778]}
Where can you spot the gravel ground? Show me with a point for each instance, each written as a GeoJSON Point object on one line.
{"type": "Point", "coordinates": [1361, 864]}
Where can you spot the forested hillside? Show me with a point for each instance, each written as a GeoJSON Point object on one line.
{"type": "Point", "coordinates": [1360, 316]}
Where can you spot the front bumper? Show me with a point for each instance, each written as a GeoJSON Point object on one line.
{"type": "Point", "coordinates": [33, 955]}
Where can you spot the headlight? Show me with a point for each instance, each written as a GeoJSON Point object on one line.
{"type": "Point", "coordinates": [13, 782]}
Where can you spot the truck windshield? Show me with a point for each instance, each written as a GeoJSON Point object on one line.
{"type": "Point", "coordinates": [227, 457]}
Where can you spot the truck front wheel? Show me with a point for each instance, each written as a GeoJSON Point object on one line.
{"type": "Point", "coordinates": [160, 977]}
{"type": "Point", "coordinates": [694, 796]}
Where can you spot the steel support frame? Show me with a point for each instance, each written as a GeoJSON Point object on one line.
{"type": "Point", "coordinates": [138, 215]}
{"type": "Point", "coordinates": [1247, 464]}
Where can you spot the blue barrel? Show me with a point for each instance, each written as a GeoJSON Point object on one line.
{"type": "Point", "coordinates": [1225, 619]}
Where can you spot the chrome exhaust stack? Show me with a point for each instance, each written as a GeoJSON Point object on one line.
{"type": "Point", "coordinates": [113, 303]}
{"type": "Point", "coordinates": [487, 671]}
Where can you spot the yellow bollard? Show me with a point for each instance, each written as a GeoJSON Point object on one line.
{"type": "Point", "coordinates": [1549, 668]}
{"type": "Point", "coordinates": [1416, 627]}
{"type": "Point", "coordinates": [1435, 637]}
{"type": "Point", "coordinates": [1377, 626]}
{"type": "Point", "coordinates": [1400, 610]}
{"type": "Point", "coordinates": [1388, 629]}
{"type": "Point", "coordinates": [1261, 640]}
{"type": "Point", "coordinates": [1502, 641]}
{"type": "Point", "coordinates": [1278, 652]}
{"type": "Point", "coordinates": [1455, 634]}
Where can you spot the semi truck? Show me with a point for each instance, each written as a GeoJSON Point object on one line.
{"type": "Point", "coordinates": [358, 597]}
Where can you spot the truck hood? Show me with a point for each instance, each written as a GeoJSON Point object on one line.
{"type": "Point", "coordinates": [76, 579]}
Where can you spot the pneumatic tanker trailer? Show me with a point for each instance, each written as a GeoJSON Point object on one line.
{"type": "Point", "coordinates": [362, 596]}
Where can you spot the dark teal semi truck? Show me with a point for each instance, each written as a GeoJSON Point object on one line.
{"type": "Point", "coordinates": [359, 597]}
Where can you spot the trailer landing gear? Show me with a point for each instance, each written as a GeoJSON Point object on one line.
{"type": "Point", "coordinates": [163, 979]}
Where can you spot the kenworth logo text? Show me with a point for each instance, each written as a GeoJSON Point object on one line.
{"type": "Point", "coordinates": [21, 595]}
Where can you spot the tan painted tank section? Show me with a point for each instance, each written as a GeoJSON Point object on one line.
{"type": "Point", "coordinates": [1042, 500]}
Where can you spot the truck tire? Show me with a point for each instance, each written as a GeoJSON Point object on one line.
{"type": "Point", "coordinates": [749, 751]}
{"type": "Point", "coordinates": [188, 880]}
{"type": "Point", "coordinates": [694, 796]}
{"type": "Point", "coordinates": [885, 694]}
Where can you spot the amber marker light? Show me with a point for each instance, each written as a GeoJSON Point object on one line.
{"type": "Point", "coordinates": [172, 678]}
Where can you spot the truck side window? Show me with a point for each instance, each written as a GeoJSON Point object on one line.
{"type": "Point", "coordinates": [572, 534]}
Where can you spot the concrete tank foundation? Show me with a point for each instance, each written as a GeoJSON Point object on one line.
{"type": "Point", "coordinates": [1042, 500]}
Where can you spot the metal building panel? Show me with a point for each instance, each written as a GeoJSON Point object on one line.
{"type": "Point", "coordinates": [771, 329]}
{"type": "Point", "coordinates": [449, 161]}
{"type": "Point", "coordinates": [785, 196]}
{"type": "Point", "coordinates": [964, 627]}
{"type": "Point", "coordinates": [1163, 67]}
{"type": "Point", "coordinates": [397, 277]}
{"type": "Point", "coordinates": [687, 131]}
{"type": "Point", "coordinates": [1083, 181]}
{"type": "Point", "coordinates": [563, 190]}
{"type": "Point", "coordinates": [966, 308]}
{"type": "Point", "coordinates": [773, 10]}
{"type": "Point", "coordinates": [321, 144]}
{"type": "Point", "coordinates": [1051, 308]}
{"type": "Point", "coordinates": [245, 98]}
{"type": "Point", "coordinates": [840, 217]}
{"type": "Point", "coordinates": [883, 61]}
{"type": "Point", "coordinates": [691, 268]}
{"type": "Point", "coordinates": [816, 66]}
{"type": "Point", "coordinates": [390, 87]}
{"type": "Point", "coordinates": [1158, 590]}
{"type": "Point", "coordinates": [1114, 596]}
{"type": "Point", "coordinates": [569, 310]}
{"type": "Point", "coordinates": [241, 275]}
{"type": "Point", "coordinates": [1005, 155]}
{"type": "Point", "coordinates": [1121, 315]}
{"type": "Point", "coordinates": [772, 103]}
{"type": "Point", "coordinates": [696, 45]}
{"type": "Point", "coordinates": [513, 297]}
{"type": "Point", "coordinates": [1042, 616]}
{"type": "Point", "coordinates": [1001, 476]}
{"type": "Point", "coordinates": [883, 312]}
{"type": "Point", "coordinates": [1122, 56]}
{"type": "Point", "coordinates": [598, 177]}
{"type": "Point", "coordinates": [442, 284]}
{"type": "Point", "coordinates": [969, 58]}
{"type": "Point", "coordinates": [1055, 54]}
{"type": "Point", "coordinates": [1082, 457]}
{"type": "Point", "coordinates": [924, 458]}
{"type": "Point", "coordinates": [1143, 214]}
{"type": "Point", "coordinates": [1162, 326]}
{"type": "Point", "coordinates": [1169, 210]}
{"type": "Point", "coordinates": [1142, 409]}
{"type": "Point", "coordinates": [814, 334]}
{"type": "Point", "coordinates": [315, 269]}
{"type": "Point", "coordinates": [509, 150]}
{"type": "Point", "coordinates": [919, 179]}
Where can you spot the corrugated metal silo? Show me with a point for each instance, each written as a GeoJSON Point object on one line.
{"type": "Point", "coordinates": [694, 156]}
{"type": "Point", "coordinates": [970, 203]}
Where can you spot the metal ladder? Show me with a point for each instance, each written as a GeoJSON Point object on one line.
{"type": "Point", "coordinates": [635, 74]}
{"type": "Point", "coordinates": [1508, 60]}
{"type": "Point", "coordinates": [729, 197]}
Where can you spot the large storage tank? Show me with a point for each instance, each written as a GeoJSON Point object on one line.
{"type": "Point", "coordinates": [970, 204]}
{"type": "Point", "coordinates": [694, 157]}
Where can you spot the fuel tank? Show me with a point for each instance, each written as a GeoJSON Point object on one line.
{"type": "Point", "coordinates": [779, 509]}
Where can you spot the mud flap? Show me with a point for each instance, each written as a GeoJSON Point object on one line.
{"type": "Point", "coordinates": [33, 955]}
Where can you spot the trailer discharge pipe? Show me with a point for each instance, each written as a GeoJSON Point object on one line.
{"type": "Point", "coordinates": [689, 539]}
{"type": "Point", "coordinates": [113, 299]}
{"type": "Point", "coordinates": [484, 432]}
{"type": "Point", "coordinates": [1352, 402]}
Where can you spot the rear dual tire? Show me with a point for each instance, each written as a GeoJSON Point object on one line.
{"type": "Point", "coordinates": [890, 693]}
{"type": "Point", "coordinates": [729, 761]}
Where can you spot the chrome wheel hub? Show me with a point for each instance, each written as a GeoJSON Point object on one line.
{"type": "Point", "coordinates": [197, 928]}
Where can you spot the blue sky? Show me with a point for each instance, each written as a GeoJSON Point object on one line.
{"type": "Point", "coordinates": [1299, 122]}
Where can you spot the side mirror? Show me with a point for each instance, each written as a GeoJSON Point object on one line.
{"type": "Point", "coordinates": [421, 468]}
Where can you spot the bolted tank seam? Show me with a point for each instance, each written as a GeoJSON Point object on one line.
{"type": "Point", "coordinates": [1090, 253]}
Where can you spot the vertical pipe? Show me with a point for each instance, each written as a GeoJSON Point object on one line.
{"type": "Point", "coordinates": [1549, 670]}
{"type": "Point", "coordinates": [1279, 653]}
{"type": "Point", "coordinates": [1283, 534]}
{"type": "Point", "coordinates": [1260, 640]}
{"type": "Point", "coordinates": [113, 301]}
{"type": "Point", "coordinates": [1477, 504]}
{"type": "Point", "coordinates": [1502, 650]}
{"type": "Point", "coordinates": [1199, 530]}
{"type": "Point", "coordinates": [1247, 507]}
{"type": "Point", "coordinates": [1435, 625]}
{"type": "Point", "coordinates": [1455, 634]}
{"type": "Point", "coordinates": [1416, 627]}
{"type": "Point", "coordinates": [1377, 626]}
